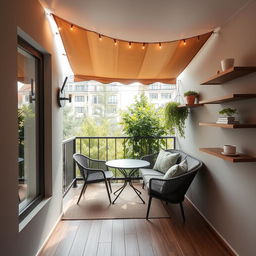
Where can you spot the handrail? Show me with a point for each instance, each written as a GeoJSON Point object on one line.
{"type": "Point", "coordinates": [87, 144]}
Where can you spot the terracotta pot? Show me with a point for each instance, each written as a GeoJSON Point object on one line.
{"type": "Point", "coordinates": [191, 99]}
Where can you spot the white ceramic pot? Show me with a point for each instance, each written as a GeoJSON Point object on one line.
{"type": "Point", "coordinates": [229, 149]}
{"type": "Point", "coordinates": [227, 63]}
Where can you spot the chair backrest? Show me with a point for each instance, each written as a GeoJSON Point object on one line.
{"type": "Point", "coordinates": [82, 163]}
{"type": "Point", "coordinates": [193, 163]}
{"type": "Point", "coordinates": [176, 188]}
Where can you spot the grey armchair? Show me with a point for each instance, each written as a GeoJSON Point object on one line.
{"type": "Point", "coordinates": [93, 171]}
{"type": "Point", "coordinates": [170, 190]}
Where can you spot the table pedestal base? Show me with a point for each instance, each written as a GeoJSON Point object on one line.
{"type": "Point", "coordinates": [128, 180]}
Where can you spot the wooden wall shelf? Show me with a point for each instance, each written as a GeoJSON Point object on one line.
{"type": "Point", "coordinates": [229, 74]}
{"type": "Point", "coordinates": [229, 126]}
{"type": "Point", "coordinates": [242, 158]}
{"type": "Point", "coordinates": [190, 105]}
{"type": "Point", "coordinates": [231, 97]}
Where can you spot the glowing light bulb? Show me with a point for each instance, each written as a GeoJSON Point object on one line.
{"type": "Point", "coordinates": [184, 42]}
{"type": "Point", "coordinates": [59, 28]}
{"type": "Point", "coordinates": [143, 46]}
{"type": "Point", "coordinates": [130, 45]}
{"type": "Point", "coordinates": [100, 38]}
{"type": "Point", "coordinates": [115, 42]}
{"type": "Point", "coordinates": [71, 27]}
{"type": "Point", "coordinates": [160, 45]}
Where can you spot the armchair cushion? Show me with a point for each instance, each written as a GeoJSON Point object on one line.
{"type": "Point", "coordinates": [149, 172]}
{"type": "Point", "coordinates": [165, 160]}
{"type": "Point", "coordinates": [157, 184]}
{"type": "Point", "coordinates": [177, 170]}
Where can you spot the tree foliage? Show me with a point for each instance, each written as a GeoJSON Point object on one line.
{"type": "Point", "coordinates": [142, 120]}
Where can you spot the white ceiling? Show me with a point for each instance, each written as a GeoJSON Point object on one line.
{"type": "Point", "coordinates": [147, 20]}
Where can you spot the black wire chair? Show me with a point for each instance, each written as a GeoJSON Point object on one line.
{"type": "Point", "coordinates": [93, 171]}
{"type": "Point", "coordinates": [171, 190]}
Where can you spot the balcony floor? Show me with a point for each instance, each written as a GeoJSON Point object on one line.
{"type": "Point", "coordinates": [95, 204]}
{"type": "Point", "coordinates": [117, 237]}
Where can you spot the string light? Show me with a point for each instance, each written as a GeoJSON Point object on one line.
{"type": "Point", "coordinates": [130, 43]}
{"type": "Point", "coordinates": [59, 28]}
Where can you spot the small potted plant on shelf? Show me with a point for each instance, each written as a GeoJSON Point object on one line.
{"type": "Point", "coordinates": [191, 96]}
{"type": "Point", "coordinates": [175, 117]}
{"type": "Point", "coordinates": [227, 116]}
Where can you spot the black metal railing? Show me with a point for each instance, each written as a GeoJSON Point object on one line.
{"type": "Point", "coordinates": [108, 148]}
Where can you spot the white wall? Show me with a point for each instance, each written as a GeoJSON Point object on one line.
{"type": "Point", "coordinates": [29, 16]}
{"type": "Point", "coordinates": [225, 192]}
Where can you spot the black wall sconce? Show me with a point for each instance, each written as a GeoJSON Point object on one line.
{"type": "Point", "coordinates": [61, 95]}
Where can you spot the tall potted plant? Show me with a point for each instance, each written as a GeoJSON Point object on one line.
{"type": "Point", "coordinates": [175, 117]}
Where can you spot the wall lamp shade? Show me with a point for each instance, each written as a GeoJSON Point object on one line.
{"type": "Point", "coordinates": [61, 99]}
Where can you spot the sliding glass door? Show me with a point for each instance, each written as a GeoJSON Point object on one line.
{"type": "Point", "coordinates": [30, 126]}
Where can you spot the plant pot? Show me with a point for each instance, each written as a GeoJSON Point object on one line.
{"type": "Point", "coordinates": [191, 99]}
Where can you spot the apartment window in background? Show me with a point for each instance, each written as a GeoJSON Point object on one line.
{"type": "Point", "coordinates": [81, 88]}
{"type": "Point", "coordinates": [155, 86]}
{"type": "Point", "coordinates": [79, 98]}
{"type": "Point", "coordinates": [96, 99]}
{"type": "Point", "coordinates": [153, 96]}
{"type": "Point", "coordinates": [111, 110]}
{"type": "Point", "coordinates": [79, 110]}
{"type": "Point", "coordinates": [30, 127]}
{"type": "Point", "coordinates": [166, 95]}
{"type": "Point", "coordinates": [112, 99]}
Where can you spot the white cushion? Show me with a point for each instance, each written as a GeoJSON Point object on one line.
{"type": "Point", "coordinates": [165, 160]}
{"type": "Point", "coordinates": [176, 170]}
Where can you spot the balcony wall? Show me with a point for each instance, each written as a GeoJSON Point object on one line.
{"type": "Point", "coordinates": [225, 192]}
{"type": "Point", "coordinates": [28, 17]}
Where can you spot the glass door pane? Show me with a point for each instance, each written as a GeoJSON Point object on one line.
{"type": "Point", "coordinates": [27, 88]}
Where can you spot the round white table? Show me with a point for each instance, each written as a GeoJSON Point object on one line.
{"type": "Point", "coordinates": [127, 167]}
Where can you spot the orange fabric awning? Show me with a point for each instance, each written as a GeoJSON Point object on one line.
{"type": "Point", "coordinates": [103, 61]}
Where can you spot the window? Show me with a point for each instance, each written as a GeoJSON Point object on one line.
{"type": "Point", "coordinates": [79, 98]}
{"type": "Point", "coordinates": [96, 99]}
{"type": "Point", "coordinates": [112, 99]}
{"type": "Point", "coordinates": [70, 87]}
{"type": "Point", "coordinates": [30, 127]}
{"type": "Point", "coordinates": [111, 110]}
{"type": "Point", "coordinates": [168, 86]}
{"type": "Point", "coordinates": [79, 110]}
{"type": "Point", "coordinates": [81, 88]}
{"type": "Point", "coordinates": [166, 95]}
{"type": "Point", "coordinates": [97, 111]}
{"type": "Point", "coordinates": [155, 86]}
{"type": "Point", "coordinates": [153, 96]}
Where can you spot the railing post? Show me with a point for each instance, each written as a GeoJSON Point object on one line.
{"type": "Point", "coordinates": [74, 164]}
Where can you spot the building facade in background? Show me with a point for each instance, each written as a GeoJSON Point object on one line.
{"type": "Point", "coordinates": [94, 99]}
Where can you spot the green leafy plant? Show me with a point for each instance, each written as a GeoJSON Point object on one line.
{"type": "Point", "coordinates": [175, 118]}
{"type": "Point", "coordinates": [228, 111]}
{"type": "Point", "coordinates": [191, 93]}
{"type": "Point", "coordinates": [141, 119]}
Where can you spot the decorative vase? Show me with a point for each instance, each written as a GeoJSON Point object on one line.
{"type": "Point", "coordinates": [191, 99]}
{"type": "Point", "coordinates": [227, 63]}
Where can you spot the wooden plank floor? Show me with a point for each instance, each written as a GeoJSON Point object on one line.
{"type": "Point", "coordinates": [132, 237]}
